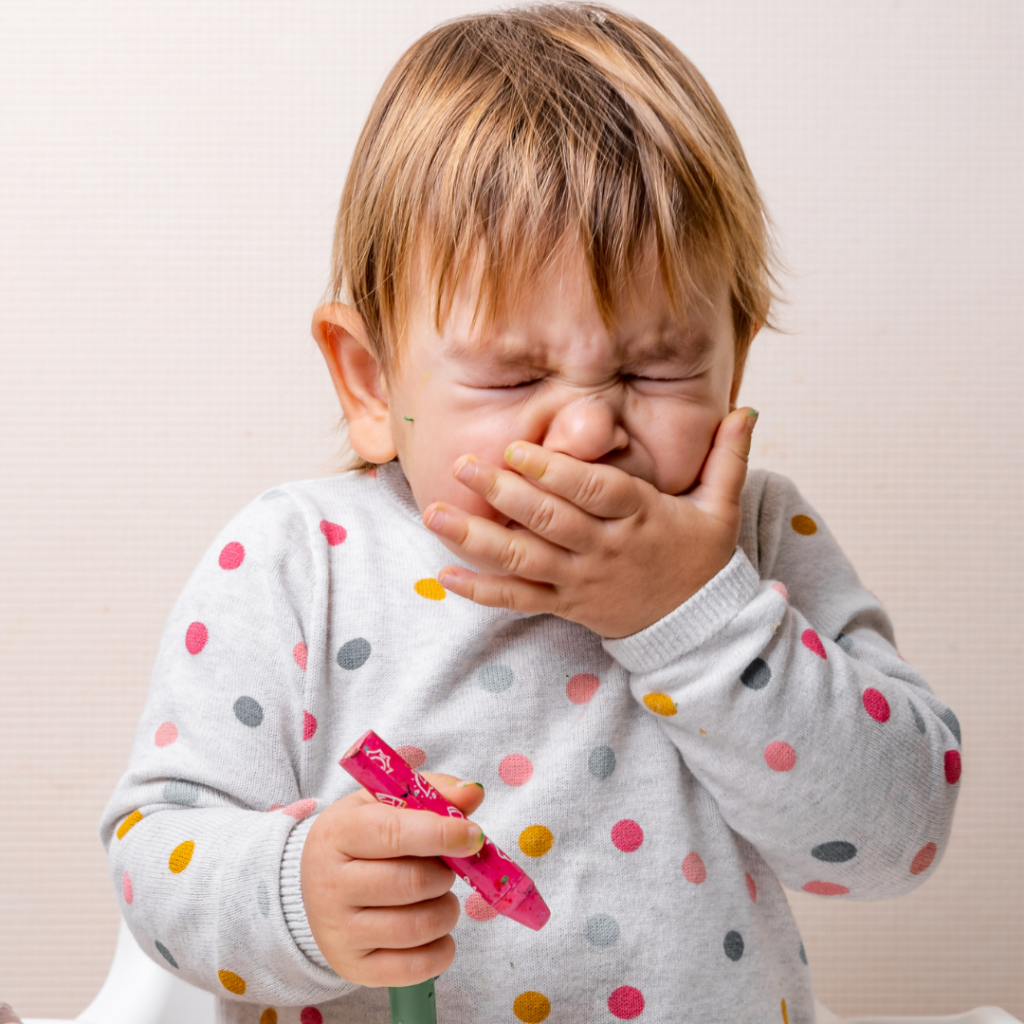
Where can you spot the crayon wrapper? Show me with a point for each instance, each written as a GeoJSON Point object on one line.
{"type": "Point", "coordinates": [386, 775]}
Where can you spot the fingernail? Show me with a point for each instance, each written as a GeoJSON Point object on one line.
{"type": "Point", "coordinates": [471, 842]}
{"type": "Point", "coordinates": [466, 470]}
{"type": "Point", "coordinates": [465, 784]}
{"type": "Point", "coordinates": [444, 578]}
{"type": "Point", "coordinates": [515, 455]}
{"type": "Point", "coordinates": [751, 419]}
{"type": "Point", "coordinates": [436, 519]}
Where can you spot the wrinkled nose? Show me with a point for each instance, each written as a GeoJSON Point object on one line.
{"type": "Point", "coordinates": [586, 429]}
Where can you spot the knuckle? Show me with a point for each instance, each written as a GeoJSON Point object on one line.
{"type": "Point", "coordinates": [512, 555]}
{"type": "Point", "coordinates": [542, 516]}
{"type": "Point", "coordinates": [390, 833]}
{"type": "Point", "coordinates": [589, 489]}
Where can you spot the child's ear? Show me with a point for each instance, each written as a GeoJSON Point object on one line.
{"type": "Point", "coordinates": [358, 379]}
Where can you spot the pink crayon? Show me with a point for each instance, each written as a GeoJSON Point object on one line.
{"type": "Point", "coordinates": [503, 884]}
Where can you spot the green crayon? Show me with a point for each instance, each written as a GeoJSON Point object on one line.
{"type": "Point", "coordinates": [413, 1004]}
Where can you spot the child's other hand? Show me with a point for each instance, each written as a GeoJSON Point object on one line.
{"type": "Point", "coordinates": [600, 547]}
{"type": "Point", "coordinates": [376, 897]}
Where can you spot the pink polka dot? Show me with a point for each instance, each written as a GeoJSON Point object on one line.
{"type": "Point", "coordinates": [334, 533]}
{"type": "Point", "coordinates": [923, 859]}
{"type": "Point", "coordinates": [195, 637]}
{"type": "Point", "coordinates": [627, 835]}
{"type": "Point", "coordinates": [826, 889]}
{"type": "Point", "coordinates": [299, 654]}
{"type": "Point", "coordinates": [231, 555]}
{"type": "Point", "coordinates": [751, 888]}
{"type": "Point", "coordinates": [300, 809]}
{"type": "Point", "coordinates": [311, 1015]}
{"type": "Point", "coordinates": [952, 765]}
{"type": "Point", "coordinates": [413, 755]}
{"type": "Point", "coordinates": [876, 705]}
{"type": "Point", "coordinates": [626, 1003]}
{"type": "Point", "coordinates": [308, 726]}
{"type": "Point", "coordinates": [693, 868]}
{"type": "Point", "coordinates": [582, 687]}
{"type": "Point", "coordinates": [478, 908]}
{"type": "Point", "coordinates": [779, 756]}
{"type": "Point", "coordinates": [166, 734]}
{"type": "Point", "coordinates": [813, 643]}
{"type": "Point", "coordinates": [275, 807]}
{"type": "Point", "coordinates": [515, 769]}
{"type": "Point", "coordinates": [781, 588]}
{"type": "Point", "coordinates": [126, 888]}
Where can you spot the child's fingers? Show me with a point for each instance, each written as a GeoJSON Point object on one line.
{"type": "Point", "coordinates": [396, 883]}
{"type": "Point", "coordinates": [400, 967]}
{"type": "Point", "coordinates": [465, 794]}
{"type": "Point", "coordinates": [541, 511]}
{"type": "Point", "coordinates": [603, 491]}
{"type": "Point", "coordinates": [495, 548]}
{"type": "Point", "coordinates": [404, 927]}
{"type": "Point", "coordinates": [500, 591]}
{"type": "Point", "coordinates": [725, 469]}
{"type": "Point", "coordinates": [374, 831]}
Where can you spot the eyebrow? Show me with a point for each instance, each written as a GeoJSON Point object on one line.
{"type": "Point", "coordinates": [689, 344]}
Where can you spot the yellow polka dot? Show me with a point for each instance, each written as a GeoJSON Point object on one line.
{"type": "Point", "coordinates": [430, 589]}
{"type": "Point", "coordinates": [535, 841]}
{"type": "Point", "coordinates": [233, 983]}
{"type": "Point", "coordinates": [130, 822]}
{"type": "Point", "coordinates": [804, 525]}
{"type": "Point", "coordinates": [531, 1007]}
{"type": "Point", "coordinates": [181, 856]}
{"type": "Point", "coordinates": [785, 1016]}
{"type": "Point", "coordinates": [269, 1016]}
{"type": "Point", "coordinates": [660, 703]}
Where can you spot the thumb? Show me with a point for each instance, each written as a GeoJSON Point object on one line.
{"type": "Point", "coordinates": [725, 468]}
{"type": "Point", "coordinates": [467, 796]}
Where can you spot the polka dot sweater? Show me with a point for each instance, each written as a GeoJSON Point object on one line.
{"type": "Point", "coordinates": [660, 788]}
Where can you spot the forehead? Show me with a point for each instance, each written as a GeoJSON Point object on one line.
{"type": "Point", "coordinates": [560, 300]}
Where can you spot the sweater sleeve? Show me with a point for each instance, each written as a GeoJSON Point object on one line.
{"type": "Point", "coordinates": [202, 822]}
{"type": "Point", "coordinates": [781, 687]}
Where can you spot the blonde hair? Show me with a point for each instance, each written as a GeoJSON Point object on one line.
{"type": "Point", "coordinates": [501, 135]}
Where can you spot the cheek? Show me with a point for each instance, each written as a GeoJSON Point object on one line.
{"type": "Point", "coordinates": [678, 443]}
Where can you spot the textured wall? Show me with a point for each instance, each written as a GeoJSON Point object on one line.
{"type": "Point", "coordinates": [168, 179]}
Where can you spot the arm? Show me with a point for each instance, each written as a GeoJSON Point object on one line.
{"type": "Point", "coordinates": [195, 849]}
{"type": "Point", "coordinates": [782, 689]}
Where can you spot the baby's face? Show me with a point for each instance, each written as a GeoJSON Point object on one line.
{"type": "Point", "coordinates": [645, 396]}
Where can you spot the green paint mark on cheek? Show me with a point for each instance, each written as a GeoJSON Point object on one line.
{"type": "Point", "coordinates": [408, 419]}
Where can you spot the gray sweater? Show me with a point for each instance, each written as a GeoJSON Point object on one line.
{"type": "Point", "coordinates": [660, 788]}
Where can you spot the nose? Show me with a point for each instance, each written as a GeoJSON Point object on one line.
{"type": "Point", "coordinates": [586, 429]}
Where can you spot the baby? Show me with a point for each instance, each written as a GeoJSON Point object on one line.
{"type": "Point", "coordinates": [551, 576]}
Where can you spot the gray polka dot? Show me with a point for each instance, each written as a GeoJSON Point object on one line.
{"type": "Point", "coordinates": [178, 791]}
{"type": "Point", "coordinates": [273, 495]}
{"type": "Point", "coordinates": [918, 720]}
{"type": "Point", "coordinates": [952, 723]}
{"type": "Point", "coordinates": [733, 945]}
{"type": "Point", "coordinates": [248, 711]}
{"type": "Point", "coordinates": [263, 899]}
{"type": "Point", "coordinates": [601, 762]}
{"type": "Point", "coordinates": [354, 653]}
{"type": "Point", "coordinates": [602, 930]}
{"type": "Point", "coordinates": [835, 852]}
{"type": "Point", "coordinates": [803, 954]}
{"type": "Point", "coordinates": [166, 954]}
{"type": "Point", "coordinates": [495, 678]}
{"type": "Point", "coordinates": [757, 674]}
{"type": "Point", "coordinates": [845, 642]}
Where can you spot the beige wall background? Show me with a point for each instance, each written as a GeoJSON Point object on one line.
{"type": "Point", "coordinates": [168, 180]}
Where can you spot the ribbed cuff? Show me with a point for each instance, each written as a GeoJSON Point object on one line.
{"type": "Point", "coordinates": [291, 893]}
{"type": "Point", "coordinates": [693, 623]}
